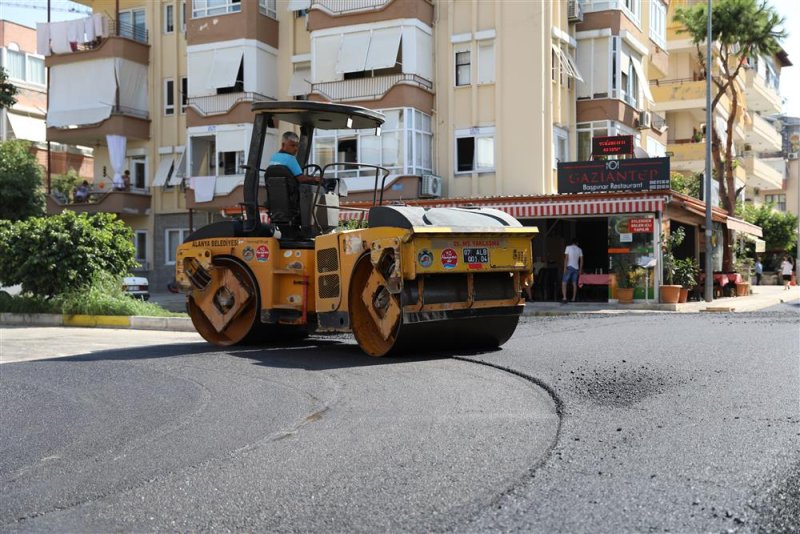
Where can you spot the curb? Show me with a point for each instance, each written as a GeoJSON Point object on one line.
{"type": "Point", "coordinates": [177, 324]}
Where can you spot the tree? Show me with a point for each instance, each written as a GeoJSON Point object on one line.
{"type": "Point", "coordinates": [742, 29]}
{"type": "Point", "coordinates": [7, 91]}
{"type": "Point", "coordinates": [779, 228]}
{"type": "Point", "coordinates": [21, 194]}
{"type": "Point", "coordinates": [53, 255]}
{"type": "Point", "coordinates": [688, 185]}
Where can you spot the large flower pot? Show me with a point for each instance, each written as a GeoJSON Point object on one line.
{"type": "Point", "coordinates": [625, 295]}
{"type": "Point", "coordinates": [742, 289]}
{"type": "Point", "coordinates": [669, 294]}
{"type": "Point", "coordinates": [684, 296]}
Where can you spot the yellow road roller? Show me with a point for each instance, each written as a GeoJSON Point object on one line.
{"type": "Point", "coordinates": [414, 279]}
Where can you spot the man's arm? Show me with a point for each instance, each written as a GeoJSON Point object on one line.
{"type": "Point", "coordinates": [580, 263]}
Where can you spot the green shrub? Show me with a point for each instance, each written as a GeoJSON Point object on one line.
{"type": "Point", "coordinates": [105, 296]}
{"type": "Point", "coordinates": [26, 304]}
{"type": "Point", "coordinates": [65, 183]}
{"type": "Point", "coordinates": [21, 194]}
{"type": "Point", "coordinates": [56, 255]}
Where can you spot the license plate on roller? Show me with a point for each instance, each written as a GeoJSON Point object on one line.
{"type": "Point", "coordinates": [476, 255]}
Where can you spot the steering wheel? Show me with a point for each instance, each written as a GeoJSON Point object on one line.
{"type": "Point", "coordinates": [312, 170]}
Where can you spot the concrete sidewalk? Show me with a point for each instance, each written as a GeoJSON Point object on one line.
{"type": "Point", "coordinates": [762, 297]}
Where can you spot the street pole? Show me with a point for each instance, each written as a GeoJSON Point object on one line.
{"type": "Point", "coordinates": [708, 292]}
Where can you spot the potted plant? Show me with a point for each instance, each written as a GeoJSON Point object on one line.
{"type": "Point", "coordinates": [625, 285]}
{"type": "Point", "coordinates": [669, 292]}
{"type": "Point", "coordinates": [744, 268]}
{"type": "Point", "coordinates": [686, 272]}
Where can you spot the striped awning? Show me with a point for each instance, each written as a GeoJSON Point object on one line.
{"type": "Point", "coordinates": [553, 207]}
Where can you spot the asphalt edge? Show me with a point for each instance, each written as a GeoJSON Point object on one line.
{"type": "Point", "coordinates": [134, 322]}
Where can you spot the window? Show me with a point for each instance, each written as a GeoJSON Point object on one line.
{"type": "Point", "coordinates": [172, 240]}
{"type": "Point", "coordinates": [138, 170]}
{"type": "Point", "coordinates": [268, 8]}
{"type": "Point", "coordinates": [140, 244]}
{"type": "Point", "coordinates": [463, 75]}
{"type": "Point", "coordinates": [475, 153]}
{"type": "Point", "coordinates": [169, 18]}
{"type": "Point", "coordinates": [36, 70]}
{"type": "Point", "coordinates": [486, 62]}
{"type": "Point", "coordinates": [587, 130]}
{"type": "Point", "coordinates": [560, 146]}
{"type": "Point", "coordinates": [184, 93]}
{"type": "Point", "coordinates": [633, 9]}
{"type": "Point", "coordinates": [169, 97]}
{"type": "Point", "coordinates": [779, 201]}
{"type": "Point", "coordinates": [16, 64]}
{"type": "Point", "coordinates": [183, 17]}
{"type": "Point", "coordinates": [658, 23]}
{"type": "Point", "coordinates": [208, 8]}
{"type": "Point", "coordinates": [132, 25]}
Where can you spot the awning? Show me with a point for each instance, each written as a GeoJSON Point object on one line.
{"type": "Point", "coordinates": [230, 141]}
{"type": "Point", "coordinates": [179, 170]}
{"type": "Point", "coordinates": [644, 83]}
{"type": "Point", "coordinates": [300, 84]}
{"type": "Point", "coordinates": [567, 63]}
{"type": "Point", "coordinates": [198, 62]}
{"type": "Point", "coordinates": [28, 128]}
{"type": "Point", "coordinates": [744, 227]}
{"type": "Point", "coordinates": [78, 99]}
{"type": "Point", "coordinates": [225, 67]}
{"type": "Point", "coordinates": [383, 47]}
{"type": "Point", "coordinates": [164, 171]}
{"type": "Point", "coordinates": [298, 5]}
{"type": "Point", "coordinates": [132, 80]}
{"type": "Point", "coordinates": [353, 52]}
{"type": "Point", "coordinates": [556, 208]}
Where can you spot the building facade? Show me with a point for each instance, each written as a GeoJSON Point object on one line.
{"type": "Point", "coordinates": [482, 101]}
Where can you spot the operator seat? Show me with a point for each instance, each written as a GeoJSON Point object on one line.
{"type": "Point", "coordinates": [283, 196]}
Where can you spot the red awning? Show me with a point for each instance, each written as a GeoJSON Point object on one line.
{"type": "Point", "coordinates": [553, 207]}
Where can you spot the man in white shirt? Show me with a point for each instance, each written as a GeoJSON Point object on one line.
{"type": "Point", "coordinates": [573, 266]}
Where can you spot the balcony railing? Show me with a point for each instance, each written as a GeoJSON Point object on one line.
{"type": "Point", "coordinates": [341, 7]}
{"type": "Point", "coordinates": [368, 88]}
{"type": "Point", "coordinates": [219, 104]}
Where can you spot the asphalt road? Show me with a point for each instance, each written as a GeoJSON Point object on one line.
{"type": "Point", "coordinates": [623, 423]}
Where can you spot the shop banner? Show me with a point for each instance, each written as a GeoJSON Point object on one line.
{"type": "Point", "coordinates": [614, 176]}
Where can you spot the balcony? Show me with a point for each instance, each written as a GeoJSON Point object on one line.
{"type": "Point", "coordinates": [678, 94]}
{"type": "Point", "coordinates": [762, 136]}
{"type": "Point", "coordinates": [761, 174]}
{"type": "Point", "coordinates": [325, 14]}
{"type": "Point", "coordinates": [220, 104]}
{"type": "Point", "coordinates": [113, 46]}
{"type": "Point", "coordinates": [687, 156]}
{"type": "Point", "coordinates": [228, 192]}
{"type": "Point", "coordinates": [761, 96]}
{"type": "Point", "coordinates": [131, 123]}
{"type": "Point", "coordinates": [119, 202]}
{"type": "Point", "coordinates": [368, 89]}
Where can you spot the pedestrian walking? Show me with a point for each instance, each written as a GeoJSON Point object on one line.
{"type": "Point", "coordinates": [786, 271]}
{"type": "Point", "coordinates": [759, 271]}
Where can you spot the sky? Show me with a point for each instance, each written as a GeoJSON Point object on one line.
{"type": "Point", "coordinates": [29, 12]}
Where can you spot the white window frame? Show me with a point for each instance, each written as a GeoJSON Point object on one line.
{"type": "Point", "coordinates": [134, 161]}
{"type": "Point", "coordinates": [468, 66]}
{"type": "Point", "coordinates": [560, 135]}
{"type": "Point", "coordinates": [25, 75]}
{"type": "Point", "coordinates": [133, 12]}
{"type": "Point", "coordinates": [170, 256]}
{"type": "Point", "coordinates": [476, 134]}
{"type": "Point", "coordinates": [169, 91]}
{"type": "Point", "coordinates": [631, 8]}
{"type": "Point", "coordinates": [268, 8]}
{"type": "Point", "coordinates": [141, 252]}
{"type": "Point", "coordinates": [169, 18]}
{"type": "Point", "coordinates": [184, 94]}
{"type": "Point", "coordinates": [201, 9]}
{"type": "Point", "coordinates": [486, 73]}
{"type": "Point", "coordinates": [183, 17]}
{"type": "Point", "coordinates": [658, 23]}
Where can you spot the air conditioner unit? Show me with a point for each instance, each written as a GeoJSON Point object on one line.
{"type": "Point", "coordinates": [645, 120]}
{"type": "Point", "coordinates": [574, 11]}
{"type": "Point", "coordinates": [430, 186]}
{"type": "Point", "coordinates": [794, 155]}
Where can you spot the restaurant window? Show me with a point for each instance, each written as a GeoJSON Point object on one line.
{"type": "Point", "coordinates": [631, 243]}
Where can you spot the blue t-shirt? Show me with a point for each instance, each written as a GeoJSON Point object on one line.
{"type": "Point", "coordinates": [287, 160]}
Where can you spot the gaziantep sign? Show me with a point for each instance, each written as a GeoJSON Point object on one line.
{"type": "Point", "coordinates": [616, 175]}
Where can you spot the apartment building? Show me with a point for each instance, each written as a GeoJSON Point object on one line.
{"type": "Point", "coordinates": [482, 101]}
{"type": "Point", "coordinates": [25, 120]}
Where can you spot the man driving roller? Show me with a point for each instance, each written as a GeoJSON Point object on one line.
{"type": "Point", "coordinates": [287, 156]}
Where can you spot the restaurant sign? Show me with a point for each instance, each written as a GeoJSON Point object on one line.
{"type": "Point", "coordinates": [614, 176]}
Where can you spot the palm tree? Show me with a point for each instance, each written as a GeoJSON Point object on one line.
{"type": "Point", "coordinates": [742, 29]}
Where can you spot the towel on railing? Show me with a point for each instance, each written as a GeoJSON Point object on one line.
{"type": "Point", "coordinates": [203, 187]}
{"type": "Point", "coordinates": [42, 38]}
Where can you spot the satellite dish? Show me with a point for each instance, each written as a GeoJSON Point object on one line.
{"type": "Point", "coordinates": [639, 152]}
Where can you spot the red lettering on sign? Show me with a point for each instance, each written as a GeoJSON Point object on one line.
{"type": "Point", "coordinates": [640, 226]}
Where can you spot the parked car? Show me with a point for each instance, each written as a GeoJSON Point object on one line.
{"type": "Point", "coordinates": [137, 287]}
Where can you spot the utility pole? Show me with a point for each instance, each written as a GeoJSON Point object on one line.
{"type": "Point", "coordinates": [708, 292]}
